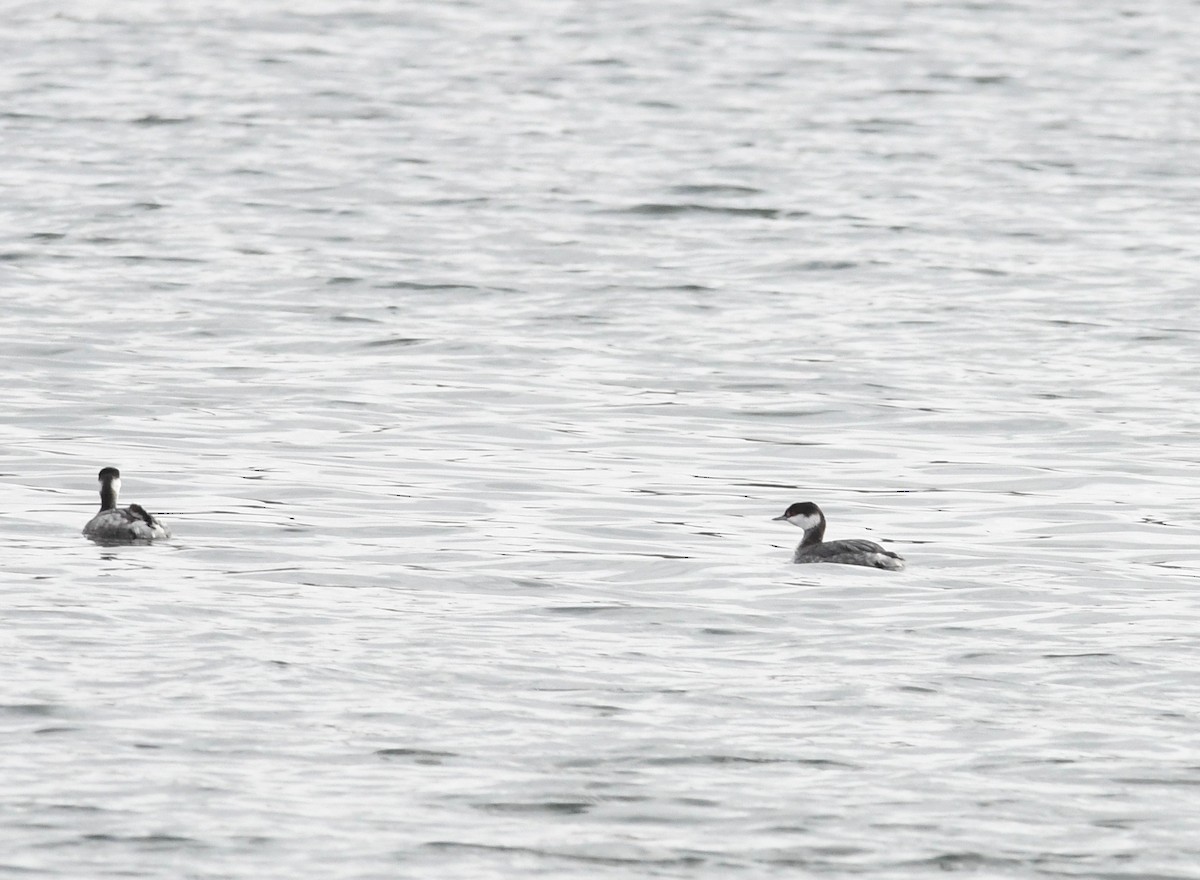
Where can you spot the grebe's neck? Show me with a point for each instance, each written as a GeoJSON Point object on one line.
{"type": "Point", "coordinates": [109, 489]}
{"type": "Point", "coordinates": [814, 534]}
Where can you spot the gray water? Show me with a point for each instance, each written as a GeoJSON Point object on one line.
{"type": "Point", "coordinates": [469, 349]}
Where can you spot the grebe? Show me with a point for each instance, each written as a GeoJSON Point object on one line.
{"type": "Point", "coordinates": [121, 524]}
{"type": "Point", "coordinates": [812, 548]}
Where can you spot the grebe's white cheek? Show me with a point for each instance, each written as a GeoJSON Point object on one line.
{"type": "Point", "coordinates": [805, 522]}
{"type": "Point", "coordinates": [116, 485]}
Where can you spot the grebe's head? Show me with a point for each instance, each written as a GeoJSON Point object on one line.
{"type": "Point", "coordinates": [804, 515]}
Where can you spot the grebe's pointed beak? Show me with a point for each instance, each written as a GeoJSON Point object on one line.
{"type": "Point", "coordinates": [782, 516]}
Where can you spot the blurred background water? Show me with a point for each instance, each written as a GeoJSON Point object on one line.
{"type": "Point", "coordinates": [468, 349]}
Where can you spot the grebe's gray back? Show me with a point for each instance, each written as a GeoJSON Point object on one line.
{"type": "Point", "coordinates": [121, 524]}
{"type": "Point", "coordinates": [813, 547]}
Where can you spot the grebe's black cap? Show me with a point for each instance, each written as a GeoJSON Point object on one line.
{"type": "Point", "coordinates": [800, 508]}
{"type": "Point", "coordinates": [109, 473]}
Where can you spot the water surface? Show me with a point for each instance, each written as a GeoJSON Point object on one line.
{"type": "Point", "coordinates": [469, 352]}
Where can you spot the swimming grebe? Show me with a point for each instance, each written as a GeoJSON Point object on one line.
{"type": "Point", "coordinates": [812, 548]}
{"type": "Point", "coordinates": [117, 524]}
